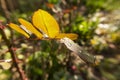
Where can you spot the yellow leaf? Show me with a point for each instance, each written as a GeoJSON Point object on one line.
{"type": "Point", "coordinates": [68, 35]}
{"type": "Point", "coordinates": [17, 28]}
{"type": "Point", "coordinates": [46, 23]}
{"type": "Point", "coordinates": [30, 27]}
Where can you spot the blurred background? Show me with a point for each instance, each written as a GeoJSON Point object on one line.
{"type": "Point", "coordinates": [97, 22]}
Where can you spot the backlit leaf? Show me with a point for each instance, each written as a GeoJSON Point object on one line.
{"type": "Point", "coordinates": [46, 23]}
{"type": "Point", "coordinates": [17, 28]}
{"type": "Point", "coordinates": [30, 27]}
{"type": "Point", "coordinates": [68, 35]}
{"type": "Point", "coordinates": [44, 26]}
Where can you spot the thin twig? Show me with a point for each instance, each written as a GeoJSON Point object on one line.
{"type": "Point", "coordinates": [14, 58]}
{"type": "Point", "coordinates": [8, 60]}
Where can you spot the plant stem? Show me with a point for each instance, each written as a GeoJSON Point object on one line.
{"type": "Point", "coordinates": [13, 55]}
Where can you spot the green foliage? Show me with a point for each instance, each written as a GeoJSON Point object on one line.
{"type": "Point", "coordinates": [85, 28]}
{"type": "Point", "coordinates": [53, 1]}
{"type": "Point", "coordinates": [94, 5]}
{"type": "Point", "coordinates": [2, 18]}
{"type": "Point", "coordinates": [44, 63]}
{"type": "Point", "coordinates": [5, 75]}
